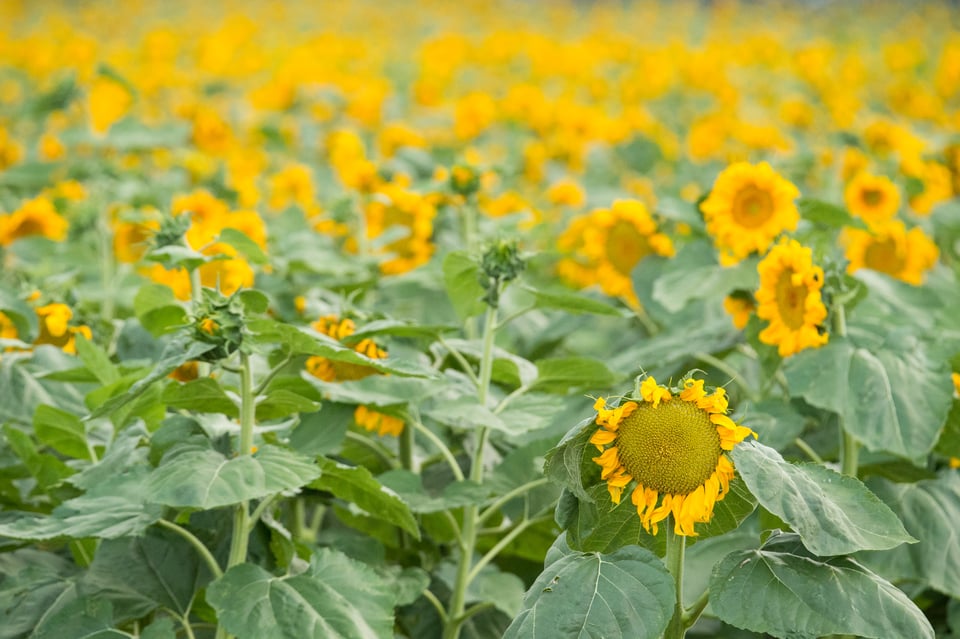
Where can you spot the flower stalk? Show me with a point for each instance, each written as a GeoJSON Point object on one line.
{"type": "Point", "coordinates": [676, 546]}
{"type": "Point", "coordinates": [849, 446]}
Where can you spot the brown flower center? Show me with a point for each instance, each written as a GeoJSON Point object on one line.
{"type": "Point", "coordinates": [882, 255]}
{"type": "Point", "coordinates": [791, 300]}
{"type": "Point", "coordinates": [752, 207]}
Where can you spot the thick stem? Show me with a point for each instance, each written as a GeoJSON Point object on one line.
{"type": "Point", "coordinates": [241, 517]}
{"type": "Point", "coordinates": [406, 447]}
{"type": "Point", "coordinates": [107, 268]}
{"type": "Point", "coordinates": [676, 544]}
{"type": "Point", "coordinates": [849, 447]}
{"type": "Point", "coordinates": [470, 513]}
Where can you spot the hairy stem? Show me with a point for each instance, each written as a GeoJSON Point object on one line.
{"type": "Point", "coordinates": [676, 544]}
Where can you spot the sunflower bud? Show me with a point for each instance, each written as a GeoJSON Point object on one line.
{"type": "Point", "coordinates": [218, 320]}
{"type": "Point", "coordinates": [172, 230]}
{"type": "Point", "coordinates": [500, 263]}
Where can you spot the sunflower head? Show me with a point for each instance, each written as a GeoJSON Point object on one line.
{"type": "Point", "coordinates": [670, 444]}
{"type": "Point", "coordinates": [790, 299]}
{"type": "Point", "coordinates": [748, 207]}
{"type": "Point", "coordinates": [873, 198]}
{"type": "Point", "coordinates": [890, 248]}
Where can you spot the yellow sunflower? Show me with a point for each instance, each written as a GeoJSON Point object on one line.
{"type": "Point", "coordinates": [332, 371]}
{"type": "Point", "coordinates": [739, 306]}
{"type": "Point", "coordinates": [35, 217]}
{"type": "Point", "coordinates": [607, 244]}
{"type": "Point", "coordinates": [891, 249]}
{"type": "Point", "coordinates": [748, 207]}
{"type": "Point", "coordinates": [673, 447]}
{"type": "Point", "coordinates": [789, 299]}
{"type": "Point", "coordinates": [873, 198]}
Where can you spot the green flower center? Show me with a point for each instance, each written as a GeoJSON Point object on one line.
{"type": "Point", "coordinates": [672, 448]}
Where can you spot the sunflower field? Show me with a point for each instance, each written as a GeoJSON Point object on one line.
{"type": "Point", "coordinates": [494, 318]}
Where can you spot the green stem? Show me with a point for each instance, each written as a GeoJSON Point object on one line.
{"type": "Point", "coordinates": [464, 364]}
{"type": "Point", "coordinates": [676, 545]}
{"type": "Point", "coordinates": [470, 513]}
{"type": "Point", "coordinates": [406, 447]}
{"type": "Point", "coordinates": [693, 613]}
{"type": "Point", "coordinates": [241, 517]}
{"type": "Point", "coordinates": [107, 268]}
{"type": "Point", "coordinates": [500, 545]}
{"type": "Point", "coordinates": [381, 451]}
{"type": "Point", "coordinates": [849, 447]}
{"type": "Point", "coordinates": [198, 545]}
{"type": "Point", "coordinates": [444, 450]}
{"type": "Point", "coordinates": [646, 320]}
{"type": "Point", "coordinates": [187, 628]}
{"type": "Point", "coordinates": [516, 492]}
{"type": "Point", "coordinates": [807, 450]}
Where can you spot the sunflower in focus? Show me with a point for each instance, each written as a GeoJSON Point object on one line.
{"type": "Point", "coordinates": [607, 244]}
{"type": "Point", "coordinates": [789, 299]}
{"type": "Point", "coordinates": [872, 198]}
{"type": "Point", "coordinates": [748, 207]}
{"type": "Point", "coordinates": [891, 249]}
{"type": "Point", "coordinates": [333, 371]}
{"type": "Point", "coordinates": [672, 446]}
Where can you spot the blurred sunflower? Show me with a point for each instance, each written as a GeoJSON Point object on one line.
{"type": "Point", "coordinates": [607, 244]}
{"type": "Point", "coordinates": [673, 448]}
{"type": "Point", "coordinates": [891, 249]}
{"type": "Point", "coordinates": [789, 299]}
{"type": "Point", "coordinates": [739, 305]}
{"type": "Point", "coordinates": [747, 208]}
{"type": "Point", "coordinates": [872, 198]}
{"type": "Point", "coordinates": [332, 371]}
{"type": "Point", "coordinates": [35, 217]}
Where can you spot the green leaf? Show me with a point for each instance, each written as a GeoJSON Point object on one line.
{"type": "Point", "coordinates": [781, 590]}
{"type": "Point", "coordinates": [930, 510]}
{"type": "Point", "coordinates": [305, 342]}
{"type": "Point", "coordinates": [894, 398]}
{"type": "Point", "coordinates": [158, 309]}
{"type": "Point", "coordinates": [776, 422]}
{"type": "Point", "coordinates": [141, 574]}
{"type": "Point", "coordinates": [162, 628]}
{"type": "Point", "coordinates": [33, 585]}
{"type": "Point", "coordinates": [96, 360]}
{"type": "Point", "coordinates": [180, 350]}
{"type": "Point", "coordinates": [117, 509]}
{"type": "Point", "coordinates": [826, 214]}
{"type": "Point", "coordinates": [247, 247]}
{"type": "Point", "coordinates": [949, 442]}
{"type": "Point", "coordinates": [80, 619]}
{"type": "Point", "coordinates": [378, 390]}
{"type": "Point", "coordinates": [604, 527]}
{"type": "Point", "coordinates": [461, 275]}
{"type": "Point", "coordinates": [322, 432]}
{"type": "Point", "coordinates": [61, 431]}
{"type": "Point", "coordinates": [676, 288]}
{"type": "Point", "coordinates": [564, 463]}
{"type": "Point", "coordinates": [409, 487]}
{"type": "Point", "coordinates": [356, 484]}
{"type": "Point", "coordinates": [503, 589]}
{"type": "Point", "coordinates": [20, 313]}
{"type": "Point", "coordinates": [574, 303]}
{"type": "Point", "coordinates": [47, 469]}
{"type": "Point", "coordinates": [281, 402]}
{"type": "Point", "coordinates": [628, 593]}
{"type": "Point", "coordinates": [560, 374]}
{"type": "Point", "coordinates": [194, 477]}
{"type": "Point", "coordinates": [336, 598]}
{"type": "Point", "coordinates": [834, 514]}
{"type": "Point", "coordinates": [397, 328]}
{"type": "Point", "coordinates": [203, 395]}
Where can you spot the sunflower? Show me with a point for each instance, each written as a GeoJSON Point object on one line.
{"type": "Point", "coordinates": [673, 447]}
{"type": "Point", "coordinates": [607, 244]}
{"type": "Point", "coordinates": [747, 208]}
{"type": "Point", "coordinates": [873, 198]}
{"type": "Point", "coordinates": [36, 217]}
{"type": "Point", "coordinates": [789, 299]}
{"type": "Point", "coordinates": [333, 371]}
{"type": "Point", "coordinates": [891, 249]}
{"type": "Point", "coordinates": [739, 305]}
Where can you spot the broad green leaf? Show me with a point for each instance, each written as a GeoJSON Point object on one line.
{"type": "Point", "coordinates": [116, 509]}
{"type": "Point", "coordinates": [322, 432]}
{"type": "Point", "coordinates": [61, 431]}
{"type": "Point", "coordinates": [895, 398]}
{"type": "Point", "coordinates": [464, 412]}
{"type": "Point", "coordinates": [194, 477]}
{"type": "Point", "coordinates": [398, 328]}
{"type": "Point", "coordinates": [834, 514]}
{"type": "Point", "coordinates": [781, 590]}
{"type": "Point", "coordinates": [33, 585]}
{"type": "Point", "coordinates": [355, 484]}
{"type": "Point", "coordinates": [28, 176]}
{"type": "Point", "coordinates": [247, 247]}
{"type": "Point", "coordinates": [308, 342]}
{"type": "Point", "coordinates": [930, 510]}
{"type": "Point", "coordinates": [574, 303]}
{"type": "Point", "coordinates": [336, 598]}
{"type": "Point", "coordinates": [96, 360]}
{"type": "Point", "coordinates": [409, 487]}
{"type": "Point", "coordinates": [461, 275]}
{"type": "Point", "coordinates": [826, 214]}
{"type": "Point", "coordinates": [281, 402]}
{"type": "Point", "coordinates": [560, 374]}
{"type": "Point", "coordinates": [408, 583]}
{"type": "Point", "coordinates": [776, 423]}
{"type": "Point", "coordinates": [123, 456]}
{"type": "Point", "coordinates": [604, 527]}
{"type": "Point", "coordinates": [378, 390]}
{"type": "Point", "coordinates": [80, 619]}
{"type": "Point", "coordinates": [628, 593]}
{"type": "Point", "coordinates": [141, 574]}
{"type": "Point", "coordinates": [949, 442]}
{"type": "Point", "coordinates": [47, 469]}
{"type": "Point", "coordinates": [503, 589]}
{"type": "Point", "coordinates": [701, 558]}
{"type": "Point", "coordinates": [180, 350]}
{"type": "Point", "coordinates": [162, 628]}
{"type": "Point", "coordinates": [203, 395]}
{"type": "Point", "coordinates": [676, 288]}
{"type": "Point", "coordinates": [158, 309]}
